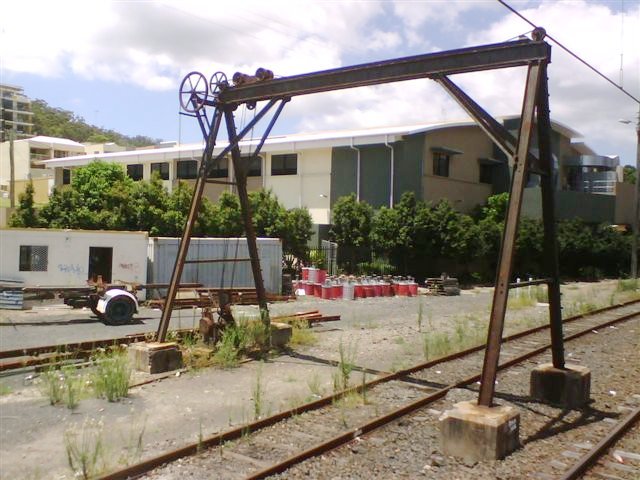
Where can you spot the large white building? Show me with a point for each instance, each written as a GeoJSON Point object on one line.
{"type": "Point", "coordinates": [456, 161]}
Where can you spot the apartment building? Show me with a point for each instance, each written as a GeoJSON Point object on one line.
{"type": "Point", "coordinates": [15, 113]}
{"type": "Point", "coordinates": [28, 154]}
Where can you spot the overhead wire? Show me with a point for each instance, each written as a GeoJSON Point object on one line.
{"type": "Point", "coordinates": [574, 55]}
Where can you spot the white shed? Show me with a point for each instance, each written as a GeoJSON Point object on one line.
{"type": "Point", "coordinates": [47, 257]}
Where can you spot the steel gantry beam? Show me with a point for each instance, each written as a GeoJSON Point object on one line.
{"type": "Point", "coordinates": [472, 59]}
{"type": "Point", "coordinates": [249, 90]}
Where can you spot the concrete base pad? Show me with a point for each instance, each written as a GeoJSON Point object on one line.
{"type": "Point", "coordinates": [154, 357]}
{"type": "Point", "coordinates": [569, 387]}
{"type": "Point", "coordinates": [475, 433]}
{"type": "Point", "coordinates": [280, 334]}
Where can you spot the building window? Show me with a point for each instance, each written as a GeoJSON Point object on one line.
{"type": "Point", "coordinates": [134, 171]}
{"type": "Point", "coordinates": [60, 154]}
{"type": "Point", "coordinates": [441, 164]}
{"type": "Point", "coordinates": [286, 164]}
{"type": "Point", "coordinates": [220, 169]}
{"type": "Point", "coordinates": [162, 169]}
{"type": "Point", "coordinates": [187, 169]}
{"type": "Point", "coordinates": [255, 166]}
{"type": "Point", "coordinates": [486, 173]}
{"type": "Point", "coordinates": [66, 176]}
{"type": "Point", "coordinates": [33, 258]}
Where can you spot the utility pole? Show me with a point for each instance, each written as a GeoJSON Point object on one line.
{"type": "Point", "coordinates": [636, 206]}
{"type": "Point", "coordinates": [12, 170]}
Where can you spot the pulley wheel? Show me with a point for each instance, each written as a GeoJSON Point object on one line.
{"type": "Point", "coordinates": [193, 92]}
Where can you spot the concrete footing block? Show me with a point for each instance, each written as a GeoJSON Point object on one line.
{"type": "Point", "coordinates": [475, 433]}
{"type": "Point", "coordinates": [280, 334]}
{"type": "Point", "coordinates": [154, 357]}
{"type": "Point", "coordinates": [569, 387]}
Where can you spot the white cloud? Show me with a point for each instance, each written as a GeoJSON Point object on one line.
{"type": "Point", "coordinates": [154, 44]}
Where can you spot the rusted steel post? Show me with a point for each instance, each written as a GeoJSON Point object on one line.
{"type": "Point", "coordinates": [241, 183]}
{"type": "Point", "coordinates": [183, 249]}
{"type": "Point", "coordinates": [501, 291]}
{"type": "Point", "coordinates": [549, 221]}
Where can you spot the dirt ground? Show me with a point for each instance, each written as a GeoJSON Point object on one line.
{"type": "Point", "coordinates": [379, 333]}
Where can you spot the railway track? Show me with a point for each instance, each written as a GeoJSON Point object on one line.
{"type": "Point", "coordinates": [272, 445]}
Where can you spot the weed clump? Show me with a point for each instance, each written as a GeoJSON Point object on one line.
{"type": "Point", "coordinates": [111, 375]}
{"type": "Point", "coordinates": [85, 449]}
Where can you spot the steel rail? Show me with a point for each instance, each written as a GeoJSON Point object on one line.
{"type": "Point", "coordinates": [593, 455]}
{"type": "Point", "coordinates": [145, 466]}
{"type": "Point", "coordinates": [382, 420]}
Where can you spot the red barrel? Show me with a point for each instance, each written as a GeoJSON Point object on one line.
{"type": "Point", "coordinates": [359, 291]}
{"type": "Point", "coordinates": [336, 292]}
{"type": "Point", "coordinates": [394, 289]}
{"type": "Point", "coordinates": [402, 290]}
{"type": "Point", "coordinates": [368, 291]}
{"type": "Point", "coordinates": [326, 292]}
{"type": "Point", "coordinates": [308, 288]}
{"type": "Point", "coordinates": [386, 290]}
{"type": "Point", "coordinates": [317, 289]}
{"type": "Point", "coordinates": [305, 273]}
{"type": "Point", "coordinates": [413, 289]}
{"type": "Point", "coordinates": [377, 290]}
{"type": "Point", "coordinates": [322, 276]}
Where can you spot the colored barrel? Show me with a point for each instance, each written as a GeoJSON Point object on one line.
{"type": "Point", "coordinates": [308, 288]}
{"type": "Point", "coordinates": [369, 291]}
{"type": "Point", "coordinates": [413, 289]}
{"type": "Point", "coordinates": [317, 289]}
{"type": "Point", "coordinates": [386, 290]}
{"type": "Point", "coordinates": [326, 292]}
{"type": "Point", "coordinates": [402, 289]}
{"type": "Point", "coordinates": [336, 292]}
{"type": "Point", "coordinates": [377, 289]}
{"type": "Point", "coordinates": [358, 290]}
{"type": "Point", "coordinates": [305, 273]}
{"type": "Point", "coordinates": [322, 276]}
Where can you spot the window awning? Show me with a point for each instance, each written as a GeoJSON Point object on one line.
{"type": "Point", "coordinates": [447, 150]}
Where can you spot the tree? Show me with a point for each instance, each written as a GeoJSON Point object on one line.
{"type": "Point", "coordinates": [351, 222]}
{"type": "Point", "coordinates": [26, 215]}
{"type": "Point", "coordinates": [297, 232]}
{"type": "Point", "coordinates": [351, 231]}
{"type": "Point", "coordinates": [629, 174]}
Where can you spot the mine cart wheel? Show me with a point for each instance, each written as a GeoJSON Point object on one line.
{"type": "Point", "coordinates": [218, 83]}
{"type": "Point", "coordinates": [193, 92]}
{"type": "Point", "coordinates": [119, 311]}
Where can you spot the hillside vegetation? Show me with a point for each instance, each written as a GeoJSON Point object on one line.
{"type": "Point", "coordinates": [56, 122]}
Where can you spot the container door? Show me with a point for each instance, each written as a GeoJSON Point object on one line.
{"type": "Point", "coordinates": [100, 263]}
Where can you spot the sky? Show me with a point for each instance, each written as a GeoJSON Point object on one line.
{"type": "Point", "coordinates": [119, 64]}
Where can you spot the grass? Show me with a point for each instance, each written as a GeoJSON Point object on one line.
{"type": "Point", "coordinates": [301, 334]}
{"type": "Point", "coordinates": [133, 443]}
{"type": "Point", "coordinates": [345, 367]}
{"type": "Point", "coordinates": [73, 386]}
{"type": "Point", "coordinates": [468, 331]}
{"type": "Point", "coordinates": [258, 395]}
{"type": "Point", "coordinates": [315, 386]}
{"type": "Point", "coordinates": [111, 375]}
{"type": "Point", "coordinates": [628, 285]}
{"type": "Point", "coordinates": [85, 449]}
{"type": "Point", "coordinates": [248, 335]}
{"type": "Point", "coordinates": [4, 389]}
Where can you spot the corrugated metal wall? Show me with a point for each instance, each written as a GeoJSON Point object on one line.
{"type": "Point", "coordinates": [163, 252]}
